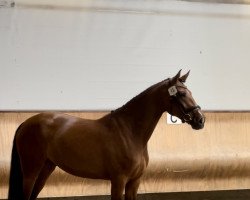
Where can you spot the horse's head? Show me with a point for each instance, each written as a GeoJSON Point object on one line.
{"type": "Point", "coordinates": [182, 104]}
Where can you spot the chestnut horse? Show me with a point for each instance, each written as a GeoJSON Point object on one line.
{"type": "Point", "coordinates": [113, 147]}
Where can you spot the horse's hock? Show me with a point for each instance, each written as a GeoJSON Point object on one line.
{"type": "Point", "coordinates": [181, 159]}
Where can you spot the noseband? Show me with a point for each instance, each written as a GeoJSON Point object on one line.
{"type": "Point", "coordinates": [187, 113]}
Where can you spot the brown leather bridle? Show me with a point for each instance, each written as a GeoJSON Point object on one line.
{"type": "Point", "coordinates": [187, 113]}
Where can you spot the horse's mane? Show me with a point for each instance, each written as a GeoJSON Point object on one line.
{"type": "Point", "coordinates": [135, 99]}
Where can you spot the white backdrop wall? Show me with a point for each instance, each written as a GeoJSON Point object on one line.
{"type": "Point", "coordinates": [98, 54]}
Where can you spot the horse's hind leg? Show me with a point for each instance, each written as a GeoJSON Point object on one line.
{"type": "Point", "coordinates": [29, 180]}
{"type": "Point", "coordinates": [34, 180]}
{"type": "Point", "coordinates": [32, 162]}
{"type": "Point", "coordinates": [46, 171]}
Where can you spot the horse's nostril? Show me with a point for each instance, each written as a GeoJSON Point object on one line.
{"type": "Point", "coordinates": [202, 120]}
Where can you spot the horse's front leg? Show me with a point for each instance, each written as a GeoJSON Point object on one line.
{"type": "Point", "coordinates": [117, 187]}
{"type": "Point", "coordinates": [131, 189]}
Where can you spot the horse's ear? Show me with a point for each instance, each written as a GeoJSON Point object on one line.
{"type": "Point", "coordinates": [184, 77]}
{"type": "Point", "coordinates": [176, 77]}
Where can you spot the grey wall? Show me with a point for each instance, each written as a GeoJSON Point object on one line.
{"type": "Point", "coordinates": [96, 55]}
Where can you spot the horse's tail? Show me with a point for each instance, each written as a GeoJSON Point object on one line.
{"type": "Point", "coordinates": [16, 178]}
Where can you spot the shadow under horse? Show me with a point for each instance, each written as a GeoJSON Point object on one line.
{"type": "Point", "coordinates": [113, 147]}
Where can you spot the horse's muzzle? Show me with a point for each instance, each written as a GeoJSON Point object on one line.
{"type": "Point", "coordinates": [198, 121]}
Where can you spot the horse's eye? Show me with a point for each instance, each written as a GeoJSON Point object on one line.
{"type": "Point", "coordinates": [182, 94]}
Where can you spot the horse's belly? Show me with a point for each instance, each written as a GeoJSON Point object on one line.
{"type": "Point", "coordinates": [79, 157]}
{"type": "Point", "coordinates": [84, 171]}
{"type": "Point", "coordinates": [81, 166]}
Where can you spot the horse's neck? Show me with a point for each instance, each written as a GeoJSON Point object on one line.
{"type": "Point", "coordinates": [141, 115]}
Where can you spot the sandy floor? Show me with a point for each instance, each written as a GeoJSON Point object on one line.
{"type": "Point", "coordinates": [211, 195]}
